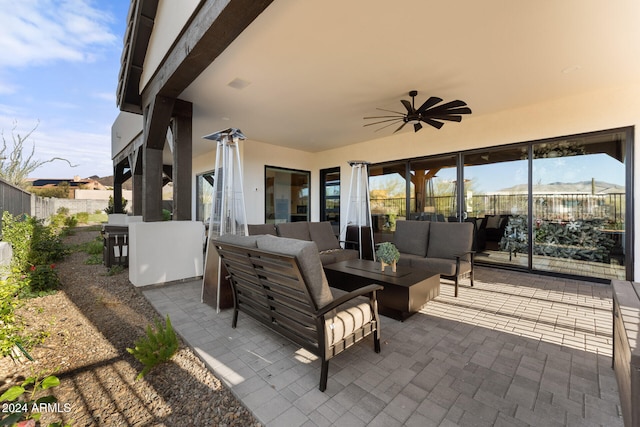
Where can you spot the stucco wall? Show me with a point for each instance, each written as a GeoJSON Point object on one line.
{"type": "Point", "coordinates": [587, 112]}
{"type": "Point", "coordinates": [171, 16]}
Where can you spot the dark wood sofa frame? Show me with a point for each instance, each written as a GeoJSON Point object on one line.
{"type": "Point", "coordinates": [271, 288]}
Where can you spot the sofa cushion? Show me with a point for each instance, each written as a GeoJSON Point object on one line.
{"type": "Point", "coordinates": [407, 259]}
{"type": "Point", "coordinates": [412, 237]}
{"type": "Point", "coordinates": [294, 230]}
{"type": "Point", "coordinates": [493, 221]}
{"type": "Point", "coordinates": [322, 234]}
{"type": "Point", "coordinates": [234, 239]}
{"type": "Point", "coordinates": [309, 261]}
{"type": "Point", "coordinates": [347, 318]}
{"type": "Point", "coordinates": [444, 266]}
{"type": "Point", "coordinates": [255, 229]}
{"type": "Point", "coordinates": [448, 239]}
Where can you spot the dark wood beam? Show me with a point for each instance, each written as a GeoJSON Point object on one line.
{"type": "Point", "coordinates": [212, 28]}
{"type": "Point", "coordinates": [182, 151]}
{"type": "Point", "coordinates": [157, 121]}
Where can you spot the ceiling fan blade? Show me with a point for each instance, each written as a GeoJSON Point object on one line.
{"type": "Point", "coordinates": [433, 123]}
{"type": "Point", "coordinates": [464, 110]}
{"type": "Point", "coordinates": [384, 121]}
{"type": "Point", "coordinates": [454, 104]}
{"type": "Point", "coordinates": [391, 111]}
{"type": "Point", "coordinates": [401, 126]}
{"type": "Point", "coordinates": [448, 117]}
{"type": "Point", "coordinates": [408, 106]}
{"type": "Point", "coordinates": [384, 117]}
{"type": "Point", "coordinates": [390, 124]}
{"type": "Point", "coordinates": [417, 127]}
{"type": "Point", "coordinates": [428, 104]}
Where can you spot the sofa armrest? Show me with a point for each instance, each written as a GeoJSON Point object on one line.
{"type": "Point", "coordinates": [370, 289]}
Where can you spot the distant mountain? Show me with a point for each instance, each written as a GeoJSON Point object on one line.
{"type": "Point", "coordinates": [582, 187]}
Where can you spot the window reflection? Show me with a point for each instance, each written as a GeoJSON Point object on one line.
{"type": "Point", "coordinates": [287, 195]}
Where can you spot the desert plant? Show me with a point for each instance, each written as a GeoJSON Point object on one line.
{"type": "Point", "coordinates": [17, 163]}
{"type": "Point", "coordinates": [114, 270]}
{"type": "Point", "coordinates": [110, 209]}
{"type": "Point", "coordinates": [158, 346]}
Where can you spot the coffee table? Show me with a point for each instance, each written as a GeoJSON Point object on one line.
{"type": "Point", "coordinates": [405, 291]}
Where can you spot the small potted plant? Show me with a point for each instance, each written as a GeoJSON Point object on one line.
{"type": "Point", "coordinates": [388, 254]}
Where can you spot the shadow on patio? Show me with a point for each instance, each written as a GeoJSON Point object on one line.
{"type": "Point", "coordinates": [516, 349]}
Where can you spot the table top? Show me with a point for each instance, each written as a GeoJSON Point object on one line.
{"type": "Point", "coordinates": [403, 276]}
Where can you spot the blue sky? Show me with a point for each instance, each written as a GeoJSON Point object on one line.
{"type": "Point", "coordinates": [59, 71]}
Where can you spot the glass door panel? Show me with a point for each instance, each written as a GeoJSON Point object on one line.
{"type": "Point", "coordinates": [330, 197]}
{"type": "Point", "coordinates": [433, 189]}
{"type": "Point", "coordinates": [495, 195]}
{"type": "Point", "coordinates": [286, 195]}
{"type": "Point", "coordinates": [579, 206]}
{"type": "Point", "coordinates": [388, 196]}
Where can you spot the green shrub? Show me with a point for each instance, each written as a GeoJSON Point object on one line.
{"type": "Point", "coordinates": [95, 247]}
{"type": "Point", "coordinates": [71, 221]}
{"type": "Point", "coordinates": [93, 260]}
{"type": "Point", "coordinates": [26, 399]}
{"type": "Point", "coordinates": [41, 280]}
{"type": "Point", "coordinates": [156, 347]}
{"type": "Point", "coordinates": [83, 217]}
{"type": "Point", "coordinates": [10, 330]}
{"type": "Point", "coordinates": [114, 270]}
{"type": "Point", "coordinates": [110, 209]}
{"type": "Point", "coordinates": [35, 249]}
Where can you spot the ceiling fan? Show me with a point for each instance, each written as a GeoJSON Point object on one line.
{"type": "Point", "coordinates": [428, 112]}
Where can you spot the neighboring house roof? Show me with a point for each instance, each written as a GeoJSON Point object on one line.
{"type": "Point", "coordinates": [76, 182]}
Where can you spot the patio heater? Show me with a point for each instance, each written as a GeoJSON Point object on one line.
{"type": "Point", "coordinates": [228, 215]}
{"type": "Point", "coordinates": [357, 227]}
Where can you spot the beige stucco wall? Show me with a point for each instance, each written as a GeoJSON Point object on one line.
{"type": "Point", "coordinates": [171, 16]}
{"type": "Point", "coordinates": [587, 112]}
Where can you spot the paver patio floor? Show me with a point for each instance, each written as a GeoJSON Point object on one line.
{"type": "Point", "coordinates": [516, 349]}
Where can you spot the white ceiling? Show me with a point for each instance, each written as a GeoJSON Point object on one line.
{"type": "Point", "coordinates": [315, 68]}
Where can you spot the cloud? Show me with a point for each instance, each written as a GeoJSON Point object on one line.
{"type": "Point", "coordinates": [90, 151]}
{"type": "Point", "coordinates": [35, 32]}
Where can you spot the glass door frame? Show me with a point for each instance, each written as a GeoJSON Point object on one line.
{"type": "Point", "coordinates": [528, 147]}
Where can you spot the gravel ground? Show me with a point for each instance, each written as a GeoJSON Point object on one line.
{"type": "Point", "coordinates": [90, 323]}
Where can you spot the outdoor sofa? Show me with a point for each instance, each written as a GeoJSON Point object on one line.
{"type": "Point", "coordinates": [281, 283]}
{"type": "Point", "coordinates": [321, 233]}
{"type": "Point", "coordinates": [442, 247]}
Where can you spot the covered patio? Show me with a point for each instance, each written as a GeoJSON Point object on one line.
{"type": "Point", "coordinates": [516, 349]}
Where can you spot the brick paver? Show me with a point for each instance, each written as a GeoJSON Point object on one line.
{"type": "Point", "coordinates": [516, 349]}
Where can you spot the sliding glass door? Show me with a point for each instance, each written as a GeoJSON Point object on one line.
{"type": "Point", "coordinates": [496, 199]}
{"type": "Point", "coordinates": [558, 205]}
{"type": "Point", "coordinates": [579, 198]}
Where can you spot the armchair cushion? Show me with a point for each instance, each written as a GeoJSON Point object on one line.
{"type": "Point", "coordinates": [234, 239]}
{"type": "Point", "coordinates": [446, 239]}
{"type": "Point", "coordinates": [348, 318]}
{"type": "Point", "coordinates": [309, 261]}
{"type": "Point", "coordinates": [412, 237]}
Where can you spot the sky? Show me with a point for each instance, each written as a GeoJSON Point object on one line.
{"type": "Point", "coordinates": [59, 74]}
